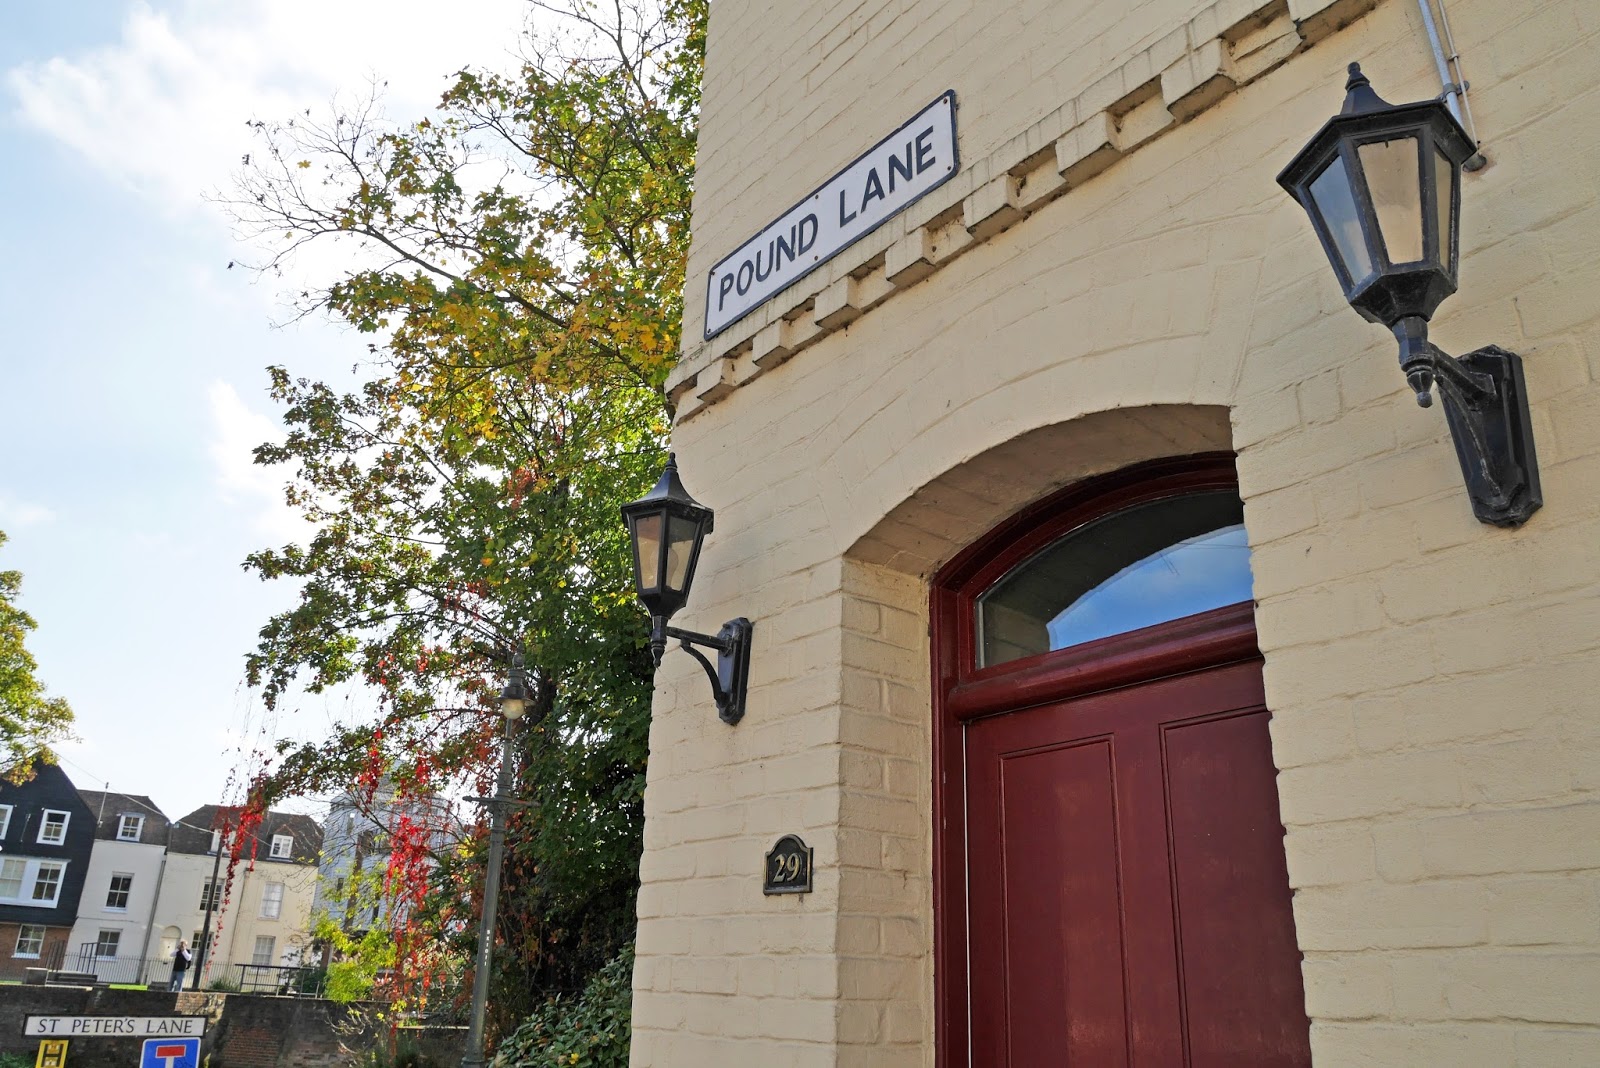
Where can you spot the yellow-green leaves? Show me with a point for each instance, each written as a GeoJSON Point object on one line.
{"type": "Point", "coordinates": [31, 721]}
{"type": "Point", "coordinates": [520, 288]}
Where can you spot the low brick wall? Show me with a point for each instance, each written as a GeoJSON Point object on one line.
{"type": "Point", "coordinates": [262, 1031]}
{"type": "Point", "coordinates": [12, 967]}
{"type": "Point", "coordinates": [245, 1030]}
{"type": "Point", "coordinates": [19, 1002]}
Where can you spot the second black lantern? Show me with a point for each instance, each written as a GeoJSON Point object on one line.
{"type": "Point", "coordinates": [1382, 185]}
{"type": "Point", "coordinates": [666, 528]}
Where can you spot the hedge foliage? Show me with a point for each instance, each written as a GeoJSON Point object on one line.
{"type": "Point", "coordinates": [589, 1031]}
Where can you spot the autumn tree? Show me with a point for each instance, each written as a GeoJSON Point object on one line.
{"type": "Point", "coordinates": [31, 721]}
{"type": "Point", "coordinates": [520, 279]}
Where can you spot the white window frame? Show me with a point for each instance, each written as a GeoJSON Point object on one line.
{"type": "Point", "coordinates": [211, 888]}
{"type": "Point", "coordinates": [5, 819]}
{"type": "Point", "coordinates": [282, 846]}
{"type": "Point", "coordinates": [44, 825]}
{"type": "Point", "coordinates": [272, 901]}
{"type": "Point", "coordinates": [32, 867]}
{"type": "Point", "coordinates": [22, 930]}
{"type": "Point", "coordinates": [39, 867]}
{"type": "Point", "coordinates": [271, 948]}
{"type": "Point", "coordinates": [22, 879]}
{"type": "Point", "coordinates": [122, 827]}
{"type": "Point", "coordinates": [100, 940]}
{"type": "Point", "coordinates": [111, 888]}
{"type": "Point", "coordinates": [216, 841]}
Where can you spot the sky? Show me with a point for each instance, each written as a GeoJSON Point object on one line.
{"type": "Point", "coordinates": [132, 382]}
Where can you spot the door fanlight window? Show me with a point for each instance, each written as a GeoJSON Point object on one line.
{"type": "Point", "coordinates": [1148, 564]}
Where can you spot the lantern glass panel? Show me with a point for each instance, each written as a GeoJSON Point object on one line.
{"type": "Point", "coordinates": [647, 545]}
{"type": "Point", "coordinates": [1444, 181]}
{"type": "Point", "coordinates": [682, 534]}
{"type": "Point", "coordinates": [1392, 170]}
{"type": "Point", "coordinates": [1330, 190]}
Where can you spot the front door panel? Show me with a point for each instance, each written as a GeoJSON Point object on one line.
{"type": "Point", "coordinates": [1063, 945]}
{"type": "Point", "coordinates": [1128, 900]}
{"type": "Point", "coordinates": [1241, 976]}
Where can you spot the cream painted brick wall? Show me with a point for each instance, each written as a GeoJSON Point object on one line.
{"type": "Point", "coordinates": [1432, 679]}
{"type": "Point", "coordinates": [835, 77]}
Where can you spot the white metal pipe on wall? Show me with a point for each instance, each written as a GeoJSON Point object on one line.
{"type": "Point", "coordinates": [1448, 62]}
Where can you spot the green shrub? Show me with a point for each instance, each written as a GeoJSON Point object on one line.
{"type": "Point", "coordinates": [404, 1053]}
{"type": "Point", "coordinates": [590, 1031]}
{"type": "Point", "coordinates": [357, 962]}
{"type": "Point", "coordinates": [307, 981]}
{"type": "Point", "coordinates": [15, 1060]}
{"type": "Point", "coordinates": [224, 984]}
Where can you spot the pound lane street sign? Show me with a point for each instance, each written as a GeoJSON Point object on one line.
{"type": "Point", "coordinates": [883, 181]}
{"type": "Point", "coordinates": [114, 1026]}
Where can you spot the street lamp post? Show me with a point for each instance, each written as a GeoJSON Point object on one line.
{"type": "Point", "coordinates": [202, 952]}
{"type": "Point", "coordinates": [513, 704]}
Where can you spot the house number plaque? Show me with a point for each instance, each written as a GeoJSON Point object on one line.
{"type": "Point", "coordinates": [788, 869]}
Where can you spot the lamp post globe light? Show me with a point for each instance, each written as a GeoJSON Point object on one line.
{"type": "Point", "coordinates": [1381, 183]}
{"type": "Point", "coordinates": [513, 706]}
{"type": "Point", "coordinates": [667, 528]}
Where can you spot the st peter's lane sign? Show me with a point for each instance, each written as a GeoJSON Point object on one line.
{"type": "Point", "coordinates": [113, 1026]}
{"type": "Point", "coordinates": [889, 177]}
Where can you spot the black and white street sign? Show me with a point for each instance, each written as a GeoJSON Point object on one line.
{"type": "Point", "coordinates": [113, 1026]}
{"type": "Point", "coordinates": [888, 178]}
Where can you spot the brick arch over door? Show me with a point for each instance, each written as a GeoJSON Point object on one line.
{"type": "Point", "coordinates": [940, 518]}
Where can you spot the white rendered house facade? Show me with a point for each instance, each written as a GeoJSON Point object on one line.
{"type": "Point", "coordinates": [259, 920]}
{"type": "Point", "coordinates": [112, 935]}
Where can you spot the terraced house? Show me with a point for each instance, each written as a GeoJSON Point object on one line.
{"type": "Point", "coordinates": [256, 921]}
{"type": "Point", "coordinates": [46, 835]}
{"type": "Point", "coordinates": [1138, 673]}
{"type": "Point", "coordinates": [111, 939]}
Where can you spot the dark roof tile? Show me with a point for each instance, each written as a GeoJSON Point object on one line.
{"type": "Point", "coordinates": [110, 807]}
{"type": "Point", "coordinates": [192, 834]}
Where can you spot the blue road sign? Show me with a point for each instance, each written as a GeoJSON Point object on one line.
{"type": "Point", "coordinates": [171, 1053]}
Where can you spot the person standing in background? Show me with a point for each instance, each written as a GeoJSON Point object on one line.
{"type": "Point", "coordinates": [180, 965]}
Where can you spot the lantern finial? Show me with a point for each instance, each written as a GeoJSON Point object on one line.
{"type": "Point", "coordinates": [1360, 97]}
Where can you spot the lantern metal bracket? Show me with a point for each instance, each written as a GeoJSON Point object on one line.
{"type": "Point", "coordinates": [730, 677]}
{"type": "Point", "coordinates": [1486, 405]}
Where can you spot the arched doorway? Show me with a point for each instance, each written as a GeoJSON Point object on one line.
{"type": "Point", "coordinates": [1110, 885]}
{"type": "Point", "coordinates": [169, 942]}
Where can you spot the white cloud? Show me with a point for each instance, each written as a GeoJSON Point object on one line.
{"type": "Point", "coordinates": [16, 513]}
{"type": "Point", "coordinates": [236, 430]}
{"type": "Point", "coordinates": [164, 108]}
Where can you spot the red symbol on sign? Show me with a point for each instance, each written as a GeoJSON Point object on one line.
{"type": "Point", "coordinates": [170, 1053]}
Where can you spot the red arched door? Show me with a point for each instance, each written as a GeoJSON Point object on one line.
{"type": "Point", "coordinates": [1110, 878]}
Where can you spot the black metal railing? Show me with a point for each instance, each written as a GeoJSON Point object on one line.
{"type": "Point", "coordinates": [281, 979]}
{"type": "Point", "coordinates": [133, 971]}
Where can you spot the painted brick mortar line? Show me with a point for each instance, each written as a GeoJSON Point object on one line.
{"type": "Point", "coordinates": [1229, 45]}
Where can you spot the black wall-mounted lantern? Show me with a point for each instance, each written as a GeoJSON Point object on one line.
{"type": "Point", "coordinates": [1382, 184]}
{"type": "Point", "coordinates": [667, 527]}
